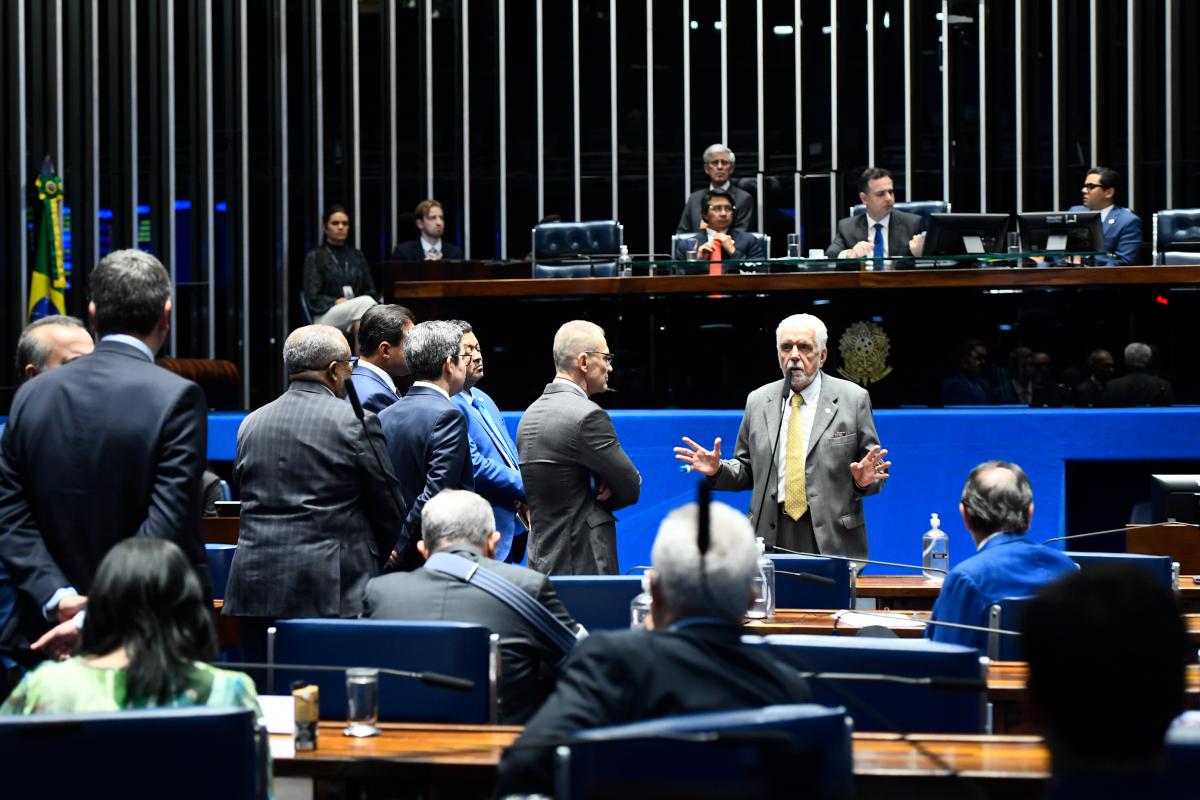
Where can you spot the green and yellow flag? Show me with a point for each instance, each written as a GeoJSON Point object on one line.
{"type": "Point", "coordinates": [49, 279]}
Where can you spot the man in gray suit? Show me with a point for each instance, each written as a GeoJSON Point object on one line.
{"type": "Point", "coordinates": [319, 513]}
{"type": "Point", "coordinates": [821, 433]}
{"type": "Point", "coordinates": [462, 523]}
{"type": "Point", "coordinates": [719, 163]}
{"type": "Point", "coordinates": [576, 474]}
{"type": "Point", "coordinates": [881, 231]}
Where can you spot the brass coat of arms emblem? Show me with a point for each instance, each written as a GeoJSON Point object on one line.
{"type": "Point", "coordinates": [864, 351]}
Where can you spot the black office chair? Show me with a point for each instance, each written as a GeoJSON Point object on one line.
{"type": "Point", "coordinates": [576, 249]}
{"type": "Point", "coordinates": [1177, 236]}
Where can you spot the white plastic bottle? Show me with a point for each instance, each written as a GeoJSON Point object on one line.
{"type": "Point", "coordinates": [624, 262]}
{"type": "Point", "coordinates": [764, 586]}
{"type": "Point", "coordinates": [639, 606]}
{"type": "Point", "coordinates": [935, 550]}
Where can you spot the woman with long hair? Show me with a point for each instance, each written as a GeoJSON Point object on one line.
{"type": "Point", "coordinates": [337, 280]}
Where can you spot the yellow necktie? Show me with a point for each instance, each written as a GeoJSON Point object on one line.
{"type": "Point", "coordinates": [795, 496]}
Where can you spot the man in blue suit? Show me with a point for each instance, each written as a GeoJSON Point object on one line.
{"type": "Point", "coordinates": [381, 334]}
{"type": "Point", "coordinates": [494, 459]}
{"type": "Point", "coordinates": [1122, 227]}
{"type": "Point", "coordinates": [426, 434]}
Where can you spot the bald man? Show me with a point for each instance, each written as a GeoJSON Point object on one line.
{"type": "Point", "coordinates": [51, 342]}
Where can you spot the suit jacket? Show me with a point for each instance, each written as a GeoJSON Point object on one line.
{"type": "Point", "coordinates": [743, 217]}
{"type": "Point", "coordinates": [1138, 389]}
{"type": "Point", "coordinates": [429, 446]}
{"type": "Point", "coordinates": [617, 677]}
{"type": "Point", "coordinates": [1122, 236]}
{"type": "Point", "coordinates": [319, 512]}
{"type": "Point", "coordinates": [843, 431]}
{"type": "Point", "coordinates": [412, 251]}
{"type": "Point", "coordinates": [567, 445]}
{"type": "Point", "coordinates": [431, 596]}
{"type": "Point", "coordinates": [495, 465]}
{"type": "Point", "coordinates": [104, 448]}
{"type": "Point", "coordinates": [373, 391]}
{"type": "Point", "coordinates": [901, 228]}
{"type": "Point", "coordinates": [1008, 565]}
{"type": "Point", "coordinates": [745, 248]}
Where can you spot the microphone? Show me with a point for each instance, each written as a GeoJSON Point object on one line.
{"type": "Point", "coordinates": [438, 679]}
{"type": "Point", "coordinates": [783, 395]}
{"type": "Point", "coordinates": [1126, 529]}
{"type": "Point", "coordinates": [807, 576]}
{"type": "Point", "coordinates": [859, 560]}
{"type": "Point", "coordinates": [932, 681]}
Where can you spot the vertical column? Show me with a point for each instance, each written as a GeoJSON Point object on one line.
{"type": "Point", "coordinates": [650, 117]}
{"type": "Point", "coordinates": [870, 81]}
{"type": "Point", "coordinates": [501, 42]}
{"type": "Point", "coordinates": [170, 252]}
{"type": "Point", "coordinates": [319, 107]}
{"type": "Point", "coordinates": [1131, 26]}
{"type": "Point", "coordinates": [1055, 98]}
{"type": "Point", "coordinates": [389, 11]}
{"type": "Point", "coordinates": [946, 100]}
{"type": "Point", "coordinates": [1093, 82]}
{"type": "Point", "coordinates": [1019, 88]}
{"type": "Point", "coordinates": [208, 235]}
{"type": "Point", "coordinates": [833, 114]}
{"type": "Point", "coordinates": [541, 125]}
{"type": "Point", "coordinates": [1169, 43]}
{"type": "Point", "coordinates": [796, 66]}
{"type": "Point", "coordinates": [244, 200]}
{"type": "Point", "coordinates": [132, 133]}
{"type": "Point", "coordinates": [612, 103]}
{"type": "Point", "coordinates": [762, 141]}
{"type": "Point", "coordinates": [575, 104]}
{"type": "Point", "coordinates": [466, 128]}
{"type": "Point", "coordinates": [687, 98]}
{"type": "Point", "coordinates": [355, 127]}
{"type": "Point", "coordinates": [22, 166]}
{"type": "Point", "coordinates": [429, 95]}
{"type": "Point", "coordinates": [908, 100]}
{"type": "Point", "coordinates": [983, 128]}
{"type": "Point", "coordinates": [281, 169]}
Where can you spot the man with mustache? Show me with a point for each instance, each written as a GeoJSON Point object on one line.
{"type": "Point", "coordinates": [822, 434]}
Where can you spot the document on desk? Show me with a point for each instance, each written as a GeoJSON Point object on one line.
{"type": "Point", "coordinates": [279, 710]}
{"type": "Point", "coordinates": [855, 619]}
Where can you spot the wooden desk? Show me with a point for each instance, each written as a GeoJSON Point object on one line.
{"type": "Point", "coordinates": [822, 622]}
{"type": "Point", "coordinates": [899, 592]}
{"type": "Point", "coordinates": [220, 530]}
{"type": "Point", "coordinates": [460, 761]}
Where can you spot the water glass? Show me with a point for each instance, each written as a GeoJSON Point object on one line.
{"type": "Point", "coordinates": [362, 702]}
{"type": "Point", "coordinates": [693, 255]}
{"type": "Point", "coordinates": [793, 245]}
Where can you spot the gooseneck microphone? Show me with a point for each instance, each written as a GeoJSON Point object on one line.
{"type": "Point", "coordinates": [438, 679]}
{"type": "Point", "coordinates": [774, 473]}
{"type": "Point", "coordinates": [1125, 529]}
{"type": "Point", "coordinates": [859, 560]}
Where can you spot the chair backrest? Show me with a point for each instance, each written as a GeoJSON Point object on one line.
{"type": "Point", "coordinates": [1183, 754]}
{"type": "Point", "coordinates": [220, 559]}
{"type": "Point", "coordinates": [451, 648]}
{"type": "Point", "coordinates": [794, 592]}
{"type": "Point", "coordinates": [569, 245]}
{"type": "Point", "coordinates": [1180, 258]}
{"type": "Point", "coordinates": [178, 752]}
{"type": "Point", "coordinates": [1161, 567]}
{"type": "Point", "coordinates": [923, 208]}
{"type": "Point", "coordinates": [880, 706]}
{"type": "Point", "coordinates": [1006, 614]}
{"type": "Point", "coordinates": [1176, 229]}
{"type": "Point", "coordinates": [305, 313]}
{"type": "Point", "coordinates": [598, 602]}
{"type": "Point", "coordinates": [761, 752]}
{"type": "Point", "coordinates": [701, 267]}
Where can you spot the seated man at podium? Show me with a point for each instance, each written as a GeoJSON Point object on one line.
{"type": "Point", "coordinates": [881, 231]}
{"type": "Point", "coordinates": [430, 219]}
{"type": "Point", "coordinates": [717, 241]}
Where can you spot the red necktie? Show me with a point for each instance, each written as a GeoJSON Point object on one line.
{"type": "Point", "coordinates": [714, 258]}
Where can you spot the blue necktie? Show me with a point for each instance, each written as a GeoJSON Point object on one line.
{"type": "Point", "coordinates": [878, 240]}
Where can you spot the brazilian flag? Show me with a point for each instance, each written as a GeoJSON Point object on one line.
{"type": "Point", "coordinates": [49, 279]}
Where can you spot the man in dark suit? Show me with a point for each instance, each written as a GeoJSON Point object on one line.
{"type": "Point", "coordinates": [101, 449]}
{"type": "Point", "coordinates": [715, 232]}
{"type": "Point", "coordinates": [693, 660]}
{"type": "Point", "coordinates": [882, 231]}
{"type": "Point", "coordinates": [822, 434]}
{"type": "Point", "coordinates": [576, 472]}
{"type": "Point", "coordinates": [1101, 365]}
{"type": "Point", "coordinates": [430, 219]}
{"type": "Point", "coordinates": [381, 355]}
{"type": "Point", "coordinates": [1138, 387]}
{"type": "Point", "coordinates": [319, 510]}
{"type": "Point", "coordinates": [494, 461]}
{"type": "Point", "coordinates": [426, 433]}
{"type": "Point", "coordinates": [718, 166]}
{"type": "Point", "coordinates": [461, 523]}
{"type": "Point", "coordinates": [1122, 227]}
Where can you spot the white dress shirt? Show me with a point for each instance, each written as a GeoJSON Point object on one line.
{"type": "Point", "coordinates": [808, 413]}
{"type": "Point", "coordinates": [429, 385]}
{"type": "Point", "coordinates": [572, 384]}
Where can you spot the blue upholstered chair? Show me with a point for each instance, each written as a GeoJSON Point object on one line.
{"type": "Point", "coordinates": [576, 249]}
{"type": "Point", "coordinates": [182, 753]}
{"type": "Point", "coordinates": [305, 313]}
{"type": "Point", "coordinates": [598, 602]}
{"type": "Point", "coordinates": [923, 208]}
{"type": "Point", "coordinates": [1006, 615]}
{"type": "Point", "coordinates": [451, 648]}
{"type": "Point", "coordinates": [879, 706]}
{"type": "Point", "coordinates": [1176, 230]}
{"type": "Point", "coordinates": [774, 751]}
{"type": "Point", "coordinates": [794, 592]}
{"type": "Point", "coordinates": [1181, 258]}
{"type": "Point", "coordinates": [1183, 758]}
{"type": "Point", "coordinates": [1161, 567]}
{"type": "Point", "coordinates": [220, 559]}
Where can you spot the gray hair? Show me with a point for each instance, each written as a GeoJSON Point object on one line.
{"type": "Point", "coordinates": [805, 321]}
{"type": "Point", "coordinates": [1138, 355]}
{"type": "Point", "coordinates": [997, 497]}
{"type": "Point", "coordinates": [573, 338]}
{"type": "Point", "coordinates": [428, 345]}
{"type": "Point", "coordinates": [312, 347]}
{"type": "Point", "coordinates": [33, 349]}
{"type": "Point", "coordinates": [454, 516]}
{"type": "Point", "coordinates": [729, 565]}
{"type": "Point", "coordinates": [713, 149]}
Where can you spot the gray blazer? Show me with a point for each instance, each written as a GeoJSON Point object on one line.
{"type": "Point", "coordinates": [743, 217]}
{"type": "Point", "coordinates": [842, 432]}
{"type": "Point", "coordinates": [901, 227]}
{"type": "Point", "coordinates": [567, 445]}
{"type": "Point", "coordinates": [319, 512]}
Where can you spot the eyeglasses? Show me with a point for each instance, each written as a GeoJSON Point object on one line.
{"type": "Point", "coordinates": [608, 357]}
{"type": "Point", "coordinates": [721, 162]}
{"type": "Point", "coordinates": [1091, 187]}
{"type": "Point", "coordinates": [467, 356]}
{"type": "Point", "coordinates": [721, 209]}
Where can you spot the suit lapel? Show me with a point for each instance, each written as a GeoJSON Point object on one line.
{"type": "Point", "coordinates": [489, 426]}
{"type": "Point", "coordinates": [773, 411]}
{"type": "Point", "coordinates": [827, 404]}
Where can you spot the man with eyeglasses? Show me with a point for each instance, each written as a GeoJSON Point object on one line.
{"type": "Point", "coordinates": [576, 472]}
{"type": "Point", "coordinates": [1122, 227]}
{"type": "Point", "coordinates": [718, 165]}
{"type": "Point", "coordinates": [717, 241]}
{"type": "Point", "coordinates": [426, 433]}
{"type": "Point", "coordinates": [319, 511]}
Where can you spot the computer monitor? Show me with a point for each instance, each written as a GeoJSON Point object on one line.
{"type": "Point", "coordinates": [1061, 232]}
{"type": "Point", "coordinates": [1175, 497]}
{"type": "Point", "coordinates": [962, 234]}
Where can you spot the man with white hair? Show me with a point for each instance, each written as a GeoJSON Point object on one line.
{"type": "Point", "coordinates": [1138, 387]}
{"type": "Point", "coordinates": [461, 524]}
{"type": "Point", "coordinates": [693, 660]}
{"type": "Point", "coordinates": [807, 445]}
{"type": "Point", "coordinates": [576, 473]}
{"type": "Point", "coordinates": [718, 166]}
